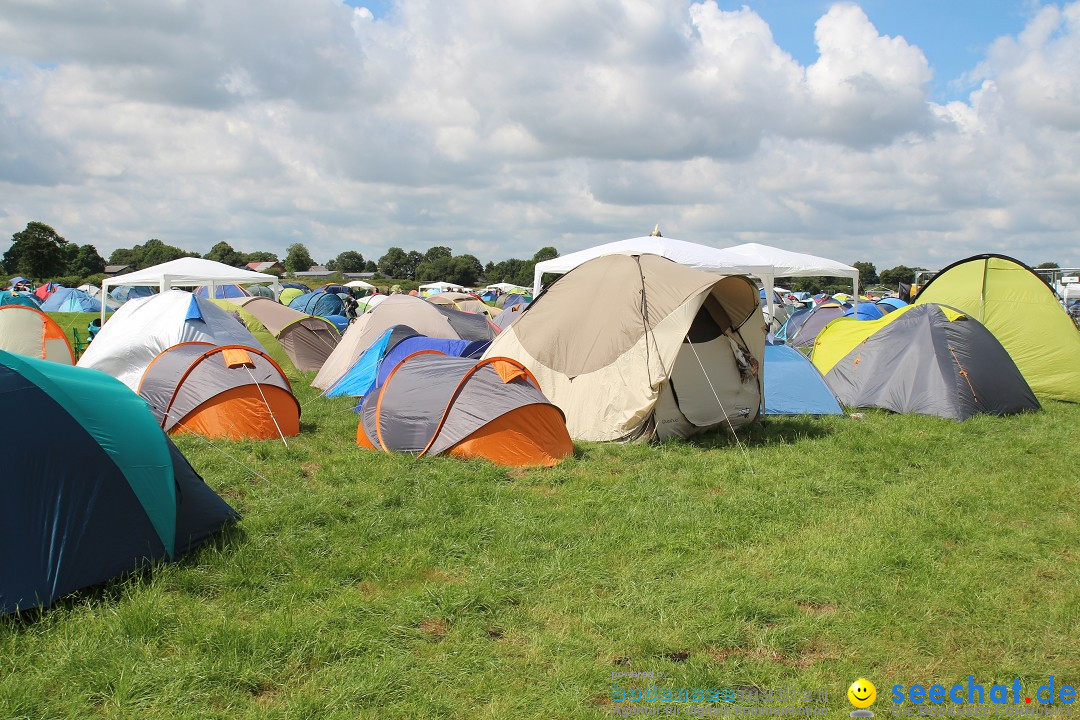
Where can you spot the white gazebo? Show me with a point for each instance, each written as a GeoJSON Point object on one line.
{"type": "Point", "coordinates": [188, 272]}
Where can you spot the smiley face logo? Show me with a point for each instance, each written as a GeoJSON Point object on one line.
{"type": "Point", "coordinates": [862, 693]}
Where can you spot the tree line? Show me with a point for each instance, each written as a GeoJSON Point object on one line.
{"type": "Point", "coordinates": [40, 253]}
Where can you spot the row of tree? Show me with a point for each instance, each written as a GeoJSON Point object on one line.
{"type": "Point", "coordinates": [39, 252]}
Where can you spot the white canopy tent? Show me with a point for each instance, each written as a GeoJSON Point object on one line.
{"type": "Point", "coordinates": [761, 261]}
{"type": "Point", "coordinates": [188, 272]}
{"type": "Point", "coordinates": [441, 287]}
{"type": "Point", "coordinates": [360, 284]}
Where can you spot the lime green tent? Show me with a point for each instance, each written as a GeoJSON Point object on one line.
{"type": "Point", "coordinates": [1022, 311]}
{"type": "Point", "coordinates": [288, 295]}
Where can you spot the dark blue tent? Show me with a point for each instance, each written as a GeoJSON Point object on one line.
{"type": "Point", "coordinates": [865, 311]}
{"type": "Point", "coordinates": [318, 302]}
{"type": "Point", "coordinates": [298, 286]}
{"type": "Point", "coordinates": [793, 386]}
{"type": "Point", "coordinates": [119, 495]}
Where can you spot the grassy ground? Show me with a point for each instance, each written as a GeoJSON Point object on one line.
{"type": "Point", "coordinates": [361, 585]}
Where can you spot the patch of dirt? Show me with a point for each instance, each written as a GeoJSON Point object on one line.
{"type": "Point", "coordinates": [681, 656]}
{"type": "Point", "coordinates": [435, 628]}
{"type": "Point", "coordinates": [815, 608]}
{"type": "Point", "coordinates": [802, 661]}
{"type": "Point", "coordinates": [309, 469]}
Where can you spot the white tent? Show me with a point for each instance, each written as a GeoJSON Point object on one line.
{"type": "Point", "coordinates": [143, 328]}
{"type": "Point", "coordinates": [188, 272]}
{"type": "Point", "coordinates": [689, 254]}
{"type": "Point", "coordinates": [440, 286]}
{"type": "Point", "coordinates": [761, 261]}
{"type": "Point", "coordinates": [360, 284]}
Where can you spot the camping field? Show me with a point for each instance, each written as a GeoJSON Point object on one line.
{"type": "Point", "coordinates": [360, 585]}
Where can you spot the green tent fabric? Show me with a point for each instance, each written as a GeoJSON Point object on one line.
{"type": "Point", "coordinates": [1022, 312]}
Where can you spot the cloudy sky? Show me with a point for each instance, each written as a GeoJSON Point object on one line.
{"type": "Point", "coordinates": [915, 133]}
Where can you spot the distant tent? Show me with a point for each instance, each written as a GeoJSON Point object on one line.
{"type": "Point", "coordinates": [229, 391]}
{"type": "Point", "coordinates": [793, 386]}
{"type": "Point", "coordinates": [123, 293]}
{"type": "Point", "coordinates": [260, 291]}
{"type": "Point", "coordinates": [926, 359]}
{"type": "Point", "coordinates": [394, 345]}
{"type": "Point", "coordinates": [461, 301]}
{"type": "Point", "coordinates": [811, 324]}
{"type": "Point", "coordinates": [289, 294]}
{"type": "Point", "coordinates": [143, 328]}
{"type": "Point", "coordinates": [28, 331]}
{"type": "Point", "coordinates": [115, 495]}
{"type": "Point", "coordinates": [793, 323]}
{"type": "Point", "coordinates": [672, 351]}
{"type": "Point", "coordinates": [889, 304]}
{"type": "Point", "coordinates": [431, 404]}
{"type": "Point", "coordinates": [865, 311]}
{"type": "Point", "coordinates": [8, 297]}
{"type": "Point", "coordinates": [513, 298]}
{"type": "Point", "coordinates": [296, 286]}
{"type": "Point", "coordinates": [290, 337]}
{"type": "Point", "coordinates": [509, 314]}
{"type": "Point", "coordinates": [1023, 313]}
{"type": "Point", "coordinates": [423, 317]}
{"type": "Point", "coordinates": [229, 290]}
{"type": "Point", "coordinates": [45, 291]}
{"type": "Point", "coordinates": [71, 300]}
{"type": "Point", "coordinates": [318, 302]}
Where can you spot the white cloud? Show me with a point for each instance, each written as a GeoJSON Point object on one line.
{"type": "Point", "coordinates": [497, 128]}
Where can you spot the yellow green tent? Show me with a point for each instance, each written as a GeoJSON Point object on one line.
{"type": "Point", "coordinates": [1022, 311]}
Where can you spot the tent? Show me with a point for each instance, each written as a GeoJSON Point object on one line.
{"type": "Point", "coordinates": [142, 329]}
{"type": "Point", "coordinates": [865, 311]}
{"type": "Point", "coordinates": [513, 299]}
{"type": "Point", "coordinates": [1020, 308]}
{"type": "Point", "coordinates": [433, 404]}
{"type": "Point", "coordinates": [260, 291]}
{"type": "Point", "coordinates": [28, 331]}
{"type": "Point", "coordinates": [438, 287]}
{"type": "Point", "coordinates": [228, 391]}
{"type": "Point", "coordinates": [423, 317]}
{"type": "Point", "coordinates": [289, 294]}
{"type": "Point", "coordinates": [359, 284]}
{"type": "Point", "coordinates": [761, 261]}
{"type": "Point", "coordinates": [395, 344]}
{"type": "Point", "coordinates": [926, 359]}
{"type": "Point", "coordinates": [44, 292]}
{"type": "Point", "coordinates": [369, 303]}
{"type": "Point", "coordinates": [188, 272]}
{"type": "Point", "coordinates": [675, 351]}
{"type": "Point", "coordinates": [318, 302]}
{"type": "Point", "coordinates": [810, 324]}
{"type": "Point", "coordinates": [793, 386]}
{"type": "Point", "coordinates": [509, 314]}
{"type": "Point", "coordinates": [463, 302]}
{"type": "Point", "coordinates": [887, 305]}
{"type": "Point", "coordinates": [130, 292]}
{"type": "Point", "coordinates": [10, 297]}
{"type": "Point", "coordinates": [113, 495]}
{"type": "Point", "coordinates": [289, 336]}
{"type": "Point", "coordinates": [71, 300]}
{"type": "Point", "coordinates": [229, 290]}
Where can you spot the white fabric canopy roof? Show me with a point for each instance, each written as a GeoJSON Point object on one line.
{"type": "Point", "coordinates": [440, 286]}
{"type": "Point", "coordinates": [360, 284]}
{"type": "Point", "coordinates": [692, 255]}
{"type": "Point", "coordinates": [761, 261]}
{"type": "Point", "coordinates": [188, 272]}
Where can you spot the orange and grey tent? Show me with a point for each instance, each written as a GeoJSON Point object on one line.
{"type": "Point", "coordinates": [228, 391]}
{"type": "Point", "coordinates": [28, 331]}
{"type": "Point", "coordinates": [493, 409]}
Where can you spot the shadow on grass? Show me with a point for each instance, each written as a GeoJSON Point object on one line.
{"type": "Point", "coordinates": [770, 431]}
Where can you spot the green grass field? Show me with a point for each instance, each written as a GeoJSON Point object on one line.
{"type": "Point", "coordinates": [361, 585]}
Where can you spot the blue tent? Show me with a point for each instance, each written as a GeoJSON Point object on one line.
{"type": "Point", "coordinates": [393, 346]}
{"type": "Point", "coordinates": [318, 302]}
{"type": "Point", "coordinates": [890, 303]}
{"type": "Point", "coordinates": [298, 286]}
{"type": "Point", "coordinates": [71, 300]}
{"type": "Point", "coordinates": [793, 386]}
{"type": "Point", "coordinates": [120, 495]}
{"type": "Point", "coordinates": [222, 292]}
{"type": "Point", "coordinates": [123, 293]}
{"type": "Point", "coordinates": [7, 297]}
{"type": "Point", "coordinates": [865, 311]}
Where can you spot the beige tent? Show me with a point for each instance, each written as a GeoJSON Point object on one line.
{"type": "Point", "coordinates": [663, 350]}
{"type": "Point", "coordinates": [289, 336]}
{"type": "Point", "coordinates": [463, 302]}
{"type": "Point", "coordinates": [424, 318]}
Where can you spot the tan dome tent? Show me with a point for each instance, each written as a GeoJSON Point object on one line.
{"type": "Point", "coordinates": [663, 351]}
{"type": "Point", "coordinates": [437, 321]}
{"type": "Point", "coordinates": [230, 391]}
{"type": "Point", "coordinates": [463, 302]}
{"type": "Point", "coordinates": [289, 336]}
{"type": "Point", "coordinates": [28, 331]}
{"type": "Point", "coordinates": [433, 404]}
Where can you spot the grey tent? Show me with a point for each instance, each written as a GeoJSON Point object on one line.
{"type": "Point", "coordinates": [432, 404]}
{"type": "Point", "coordinates": [925, 359]}
{"type": "Point", "coordinates": [820, 316]}
{"type": "Point", "coordinates": [288, 335]}
{"type": "Point", "coordinates": [229, 391]}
